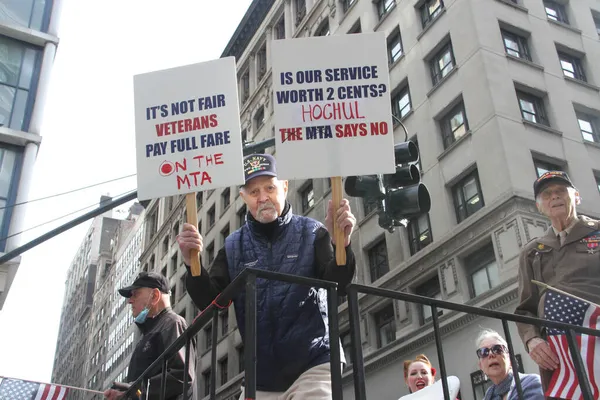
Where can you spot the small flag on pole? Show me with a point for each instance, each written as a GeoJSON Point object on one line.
{"type": "Point", "coordinates": [562, 307]}
{"type": "Point", "coordinates": [17, 389]}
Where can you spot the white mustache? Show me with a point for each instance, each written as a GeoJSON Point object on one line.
{"type": "Point", "coordinates": [267, 206]}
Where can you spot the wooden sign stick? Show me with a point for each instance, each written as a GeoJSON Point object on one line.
{"type": "Point", "coordinates": [191, 211]}
{"type": "Point", "coordinates": [336, 199]}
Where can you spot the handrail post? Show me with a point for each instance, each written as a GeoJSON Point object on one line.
{"type": "Point", "coordinates": [213, 354]}
{"type": "Point", "coordinates": [584, 383]}
{"type": "Point", "coordinates": [334, 344]}
{"type": "Point", "coordinates": [186, 368]}
{"type": "Point", "coordinates": [513, 360]}
{"type": "Point", "coordinates": [250, 338]}
{"type": "Point", "coordinates": [440, 351]}
{"type": "Point", "coordinates": [163, 381]}
{"type": "Point", "coordinates": [358, 366]}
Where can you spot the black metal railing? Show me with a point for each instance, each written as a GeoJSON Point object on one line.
{"type": "Point", "coordinates": [247, 280]}
{"type": "Point", "coordinates": [357, 357]}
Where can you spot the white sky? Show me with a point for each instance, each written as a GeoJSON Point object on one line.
{"type": "Point", "coordinates": [88, 137]}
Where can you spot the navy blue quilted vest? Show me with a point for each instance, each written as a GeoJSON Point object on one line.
{"type": "Point", "coordinates": [292, 333]}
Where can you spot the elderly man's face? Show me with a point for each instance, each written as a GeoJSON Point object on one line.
{"type": "Point", "coordinates": [496, 366]}
{"type": "Point", "coordinates": [140, 299]}
{"type": "Point", "coordinates": [556, 201]}
{"type": "Point", "coordinates": [265, 197]}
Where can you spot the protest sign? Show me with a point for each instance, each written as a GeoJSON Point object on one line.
{"type": "Point", "coordinates": [188, 135]}
{"type": "Point", "coordinates": [332, 106]}
{"type": "Point", "coordinates": [332, 110]}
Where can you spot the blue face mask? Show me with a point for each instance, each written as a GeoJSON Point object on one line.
{"type": "Point", "coordinates": [141, 318]}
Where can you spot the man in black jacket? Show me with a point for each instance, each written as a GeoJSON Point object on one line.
{"type": "Point", "coordinates": [160, 327]}
{"type": "Point", "coordinates": [293, 349]}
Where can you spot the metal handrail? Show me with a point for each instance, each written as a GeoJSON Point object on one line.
{"type": "Point", "coordinates": [247, 278]}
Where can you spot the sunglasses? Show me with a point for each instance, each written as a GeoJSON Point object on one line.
{"type": "Point", "coordinates": [497, 349]}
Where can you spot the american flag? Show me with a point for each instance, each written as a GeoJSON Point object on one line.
{"type": "Point", "coordinates": [16, 389]}
{"type": "Point", "coordinates": [561, 307]}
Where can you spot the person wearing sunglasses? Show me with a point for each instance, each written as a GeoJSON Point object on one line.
{"type": "Point", "coordinates": [494, 361]}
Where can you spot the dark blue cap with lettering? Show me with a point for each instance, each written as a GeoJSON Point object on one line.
{"type": "Point", "coordinates": [259, 165]}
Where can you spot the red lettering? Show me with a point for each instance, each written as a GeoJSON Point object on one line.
{"type": "Point", "coordinates": [184, 180]}
{"type": "Point", "coordinates": [205, 177]}
{"type": "Point", "coordinates": [160, 129]}
{"type": "Point", "coordinates": [183, 166]}
{"type": "Point", "coordinates": [218, 160]}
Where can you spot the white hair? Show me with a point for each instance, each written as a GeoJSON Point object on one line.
{"type": "Point", "coordinates": [489, 334]}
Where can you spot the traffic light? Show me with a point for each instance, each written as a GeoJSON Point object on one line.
{"type": "Point", "coordinates": [398, 196]}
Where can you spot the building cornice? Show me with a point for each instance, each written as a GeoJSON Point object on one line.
{"type": "Point", "coordinates": [247, 28]}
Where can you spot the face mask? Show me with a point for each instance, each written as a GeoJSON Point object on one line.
{"type": "Point", "coordinates": [143, 315]}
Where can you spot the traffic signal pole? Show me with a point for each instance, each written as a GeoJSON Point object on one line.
{"type": "Point", "coordinates": [249, 148]}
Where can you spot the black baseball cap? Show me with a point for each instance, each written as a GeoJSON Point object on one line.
{"type": "Point", "coordinates": [259, 165]}
{"type": "Point", "coordinates": [150, 280]}
{"type": "Point", "coordinates": [550, 177]}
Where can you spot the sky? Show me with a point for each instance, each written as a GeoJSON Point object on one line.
{"type": "Point", "coordinates": [88, 137]}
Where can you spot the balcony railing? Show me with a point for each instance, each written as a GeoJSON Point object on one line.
{"type": "Point", "coordinates": [247, 280]}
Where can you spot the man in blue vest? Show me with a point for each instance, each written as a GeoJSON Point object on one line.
{"type": "Point", "coordinates": [293, 347]}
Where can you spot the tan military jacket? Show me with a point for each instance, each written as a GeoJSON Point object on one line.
{"type": "Point", "coordinates": [574, 268]}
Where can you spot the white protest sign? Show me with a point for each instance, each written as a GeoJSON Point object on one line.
{"type": "Point", "coordinates": [332, 106]}
{"type": "Point", "coordinates": [187, 127]}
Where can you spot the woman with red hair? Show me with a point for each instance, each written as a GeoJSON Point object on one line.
{"type": "Point", "coordinates": [418, 373]}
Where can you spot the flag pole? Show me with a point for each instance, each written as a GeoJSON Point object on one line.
{"type": "Point", "coordinates": [56, 384]}
{"type": "Point", "coordinates": [546, 286]}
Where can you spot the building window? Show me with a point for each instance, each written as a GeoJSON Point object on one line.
{"type": "Point", "coordinates": [280, 29]}
{"type": "Point", "coordinates": [532, 108]}
{"type": "Point", "coordinates": [225, 198]}
{"type": "Point", "coordinates": [210, 252]}
{"type": "Point", "coordinates": [211, 216]}
{"type": "Point", "coordinates": [482, 270]}
{"type": "Point", "coordinates": [173, 264]}
{"type": "Point", "coordinates": [384, 6]}
{"type": "Point", "coordinates": [172, 293]}
{"type": "Point", "coordinates": [346, 4]}
{"type": "Point", "coordinates": [370, 204]}
{"type": "Point", "coordinates": [347, 346]}
{"type": "Point", "coordinates": [429, 10]}
{"type": "Point", "coordinates": [223, 368]}
{"type": "Point", "coordinates": [323, 29]}
{"type": "Point", "coordinates": [385, 323]}
{"type": "Point", "coordinates": [308, 197]}
{"type": "Point", "coordinates": [401, 104]}
{"type": "Point", "coordinates": [598, 181]}
{"type": "Point", "coordinates": [454, 125]}
{"type": "Point", "coordinates": [262, 62]}
{"type": "Point", "coordinates": [175, 230]}
{"type": "Point", "coordinates": [556, 11]}
{"type": "Point", "coordinates": [356, 28]}
{"type": "Point", "coordinates": [300, 10]}
{"type": "Point", "coordinates": [259, 118]}
{"type": "Point", "coordinates": [431, 289]}
{"type": "Point", "coordinates": [596, 17]}
{"type": "Point", "coordinates": [18, 79]}
{"type": "Point", "coordinates": [244, 137]}
{"type": "Point", "coordinates": [224, 322]}
{"type": "Point", "coordinates": [28, 13]}
{"type": "Point", "coordinates": [541, 167]}
{"type": "Point", "coordinates": [241, 359]}
{"type": "Point", "coordinates": [199, 199]}
{"type": "Point", "coordinates": [208, 337]}
{"type": "Point", "coordinates": [467, 196]}
{"type": "Point", "coordinates": [378, 260]}
{"type": "Point", "coordinates": [394, 46]}
{"type": "Point", "coordinates": [588, 125]}
{"type": "Point", "coordinates": [10, 162]}
{"type": "Point", "coordinates": [242, 216]}
{"type": "Point", "coordinates": [571, 66]}
{"type": "Point", "coordinates": [442, 63]}
{"type": "Point", "coordinates": [206, 375]}
{"type": "Point", "coordinates": [245, 86]}
{"type": "Point", "coordinates": [165, 245]}
{"type": "Point", "coordinates": [515, 45]}
{"type": "Point", "coordinates": [419, 233]}
{"type": "Point", "coordinates": [224, 234]}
